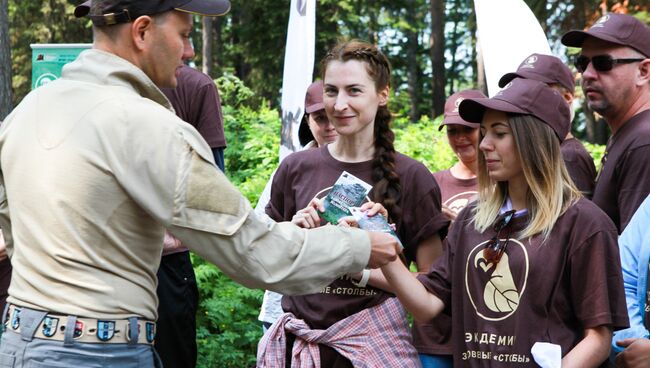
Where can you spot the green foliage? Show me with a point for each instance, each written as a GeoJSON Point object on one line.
{"type": "Point", "coordinates": [253, 137]}
{"type": "Point", "coordinates": [424, 142]}
{"type": "Point", "coordinates": [227, 329]}
{"type": "Point", "coordinates": [596, 151]}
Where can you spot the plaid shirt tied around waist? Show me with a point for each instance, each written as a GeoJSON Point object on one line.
{"type": "Point", "coordinates": [375, 337]}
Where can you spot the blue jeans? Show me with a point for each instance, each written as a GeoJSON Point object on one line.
{"type": "Point", "coordinates": [436, 361]}
{"type": "Point", "coordinates": [22, 349]}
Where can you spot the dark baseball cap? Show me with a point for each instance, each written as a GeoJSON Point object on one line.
{"type": "Point", "coordinates": [527, 97]}
{"type": "Point", "coordinates": [451, 108]}
{"type": "Point", "coordinates": [313, 102]}
{"type": "Point", "coordinates": [314, 97]}
{"type": "Point", "coordinates": [620, 29]}
{"type": "Point", "coordinates": [125, 11]}
{"type": "Point", "coordinates": [544, 68]}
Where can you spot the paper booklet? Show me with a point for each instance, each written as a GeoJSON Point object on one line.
{"type": "Point", "coordinates": [348, 191]}
{"type": "Point", "coordinates": [373, 223]}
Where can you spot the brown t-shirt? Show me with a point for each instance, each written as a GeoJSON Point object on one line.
{"type": "Point", "coordinates": [196, 100]}
{"type": "Point", "coordinates": [434, 337]}
{"type": "Point", "coordinates": [547, 291]}
{"type": "Point", "coordinates": [580, 165]}
{"type": "Point", "coordinates": [624, 178]}
{"type": "Point", "coordinates": [306, 174]}
{"type": "Point", "coordinates": [456, 193]}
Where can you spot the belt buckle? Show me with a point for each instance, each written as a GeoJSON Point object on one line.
{"type": "Point", "coordinates": [15, 319]}
{"type": "Point", "coordinates": [49, 326]}
{"type": "Point", "coordinates": [105, 330]}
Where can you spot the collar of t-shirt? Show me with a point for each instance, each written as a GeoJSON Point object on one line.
{"type": "Point", "coordinates": [507, 206]}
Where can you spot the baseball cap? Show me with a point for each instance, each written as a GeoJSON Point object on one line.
{"type": "Point", "coordinates": [543, 68]}
{"type": "Point", "coordinates": [314, 97]}
{"type": "Point", "coordinates": [125, 11]}
{"type": "Point", "coordinates": [313, 102]}
{"type": "Point", "coordinates": [523, 96]}
{"type": "Point", "coordinates": [621, 29]}
{"type": "Point", "coordinates": [451, 108]}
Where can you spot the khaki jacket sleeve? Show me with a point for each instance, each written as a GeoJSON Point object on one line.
{"type": "Point", "coordinates": [190, 196]}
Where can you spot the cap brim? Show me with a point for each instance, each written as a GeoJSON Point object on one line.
{"type": "Point", "coordinates": [208, 8]}
{"type": "Point", "coordinates": [474, 109]}
{"type": "Point", "coordinates": [315, 107]}
{"type": "Point", "coordinates": [507, 78]}
{"type": "Point", "coordinates": [82, 10]}
{"type": "Point", "coordinates": [577, 38]}
{"type": "Point", "coordinates": [457, 120]}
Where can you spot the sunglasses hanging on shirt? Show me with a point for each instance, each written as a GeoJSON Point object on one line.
{"type": "Point", "coordinates": [495, 247]}
{"type": "Point", "coordinates": [602, 63]}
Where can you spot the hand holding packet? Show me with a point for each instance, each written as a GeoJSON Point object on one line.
{"type": "Point", "coordinates": [373, 223]}
{"type": "Point", "coordinates": [348, 191]}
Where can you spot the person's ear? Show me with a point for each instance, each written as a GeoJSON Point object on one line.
{"type": "Point", "coordinates": [383, 96]}
{"type": "Point", "coordinates": [140, 29]}
{"type": "Point", "coordinates": [643, 76]}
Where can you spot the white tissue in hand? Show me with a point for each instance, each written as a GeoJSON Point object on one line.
{"type": "Point", "coordinates": [547, 355]}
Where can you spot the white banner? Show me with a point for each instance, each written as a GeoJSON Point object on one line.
{"type": "Point", "coordinates": [298, 71]}
{"type": "Point", "coordinates": [508, 32]}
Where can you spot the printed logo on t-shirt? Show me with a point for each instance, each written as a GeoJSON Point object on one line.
{"type": "Point", "coordinates": [457, 202]}
{"type": "Point", "coordinates": [495, 290]}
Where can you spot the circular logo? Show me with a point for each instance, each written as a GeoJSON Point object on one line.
{"type": "Point", "coordinates": [457, 202]}
{"type": "Point", "coordinates": [531, 60]}
{"type": "Point", "coordinates": [44, 79]}
{"type": "Point", "coordinates": [495, 290]}
{"type": "Point", "coordinates": [457, 103]}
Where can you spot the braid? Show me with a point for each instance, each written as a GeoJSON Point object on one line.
{"type": "Point", "coordinates": [387, 188]}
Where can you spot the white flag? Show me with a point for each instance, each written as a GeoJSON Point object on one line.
{"type": "Point", "coordinates": [298, 71]}
{"type": "Point", "coordinates": [508, 32]}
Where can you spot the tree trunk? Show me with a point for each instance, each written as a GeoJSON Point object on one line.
{"type": "Point", "coordinates": [413, 70]}
{"type": "Point", "coordinates": [437, 54]}
{"type": "Point", "coordinates": [206, 51]}
{"type": "Point", "coordinates": [5, 62]}
{"type": "Point", "coordinates": [481, 83]}
{"type": "Point", "coordinates": [218, 45]}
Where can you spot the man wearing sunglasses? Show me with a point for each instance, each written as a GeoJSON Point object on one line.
{"type": "Point", "coordinates": [615, 66]}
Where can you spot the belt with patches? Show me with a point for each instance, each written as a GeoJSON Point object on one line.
{"type": "Point", "coordinates": [88, 330]}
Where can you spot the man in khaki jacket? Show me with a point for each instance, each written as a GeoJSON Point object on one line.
{"type": "Point", "coordinates": [94, 167]}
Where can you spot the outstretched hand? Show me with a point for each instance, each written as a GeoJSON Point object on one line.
{"type": "Point", "coordinates": [384, 249]}
{"type": "Point", "coordinates": [308, 217]}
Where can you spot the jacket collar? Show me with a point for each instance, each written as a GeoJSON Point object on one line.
{"type": "Point", "coordinates": [100, 67]}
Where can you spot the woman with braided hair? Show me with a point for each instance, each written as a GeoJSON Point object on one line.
{"type": "Point", "coordinates": [350, 323]}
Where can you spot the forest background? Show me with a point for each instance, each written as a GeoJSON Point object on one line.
{"type": "Point", "coordinates": [430, 43]}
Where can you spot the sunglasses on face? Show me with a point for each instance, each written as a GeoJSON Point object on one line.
{"type": "Point", "coordinates": [602, 63]}
{"type": "Point", "coordinates": [495, 247]}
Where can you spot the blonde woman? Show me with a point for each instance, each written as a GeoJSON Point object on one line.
{"type": "Point", "coordinates": [531, 275]}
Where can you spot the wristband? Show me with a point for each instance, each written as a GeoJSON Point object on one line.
{"type": "Point", "coordinates": [365, 276]}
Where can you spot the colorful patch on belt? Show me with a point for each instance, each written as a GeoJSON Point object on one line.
{"type": "Point", "coordinates": [151, 331]}
{"type": "Point", "coordinates": [15, 319]}
{"type": "Point", "coordinates": [49, 326]}
{"type": "Point", "coordinates": [78, 329]}
{"type": "Point", "coordinates": [105, 330]}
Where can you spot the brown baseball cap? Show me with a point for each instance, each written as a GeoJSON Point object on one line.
{"type": "Point", "coordinates": [314, 97]}
{"type": "Point", "coordinates": [451, 108]}
{"type": "Point", "coordinates": [523, 96]}
{"type": "Point", "coordinates": [544, 68]}
{"type": "Point", "coordinates": [125, 11]}
{"type": "Point", "coordinates": [313, 102]}
{"type": "Point", "coordinates": [621, 29]}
